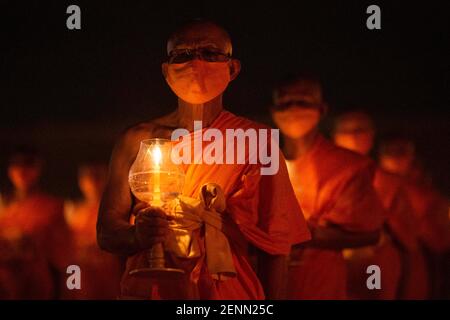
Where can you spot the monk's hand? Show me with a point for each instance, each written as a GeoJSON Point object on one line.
{"type": "Point", "coordinates": [151, 226]}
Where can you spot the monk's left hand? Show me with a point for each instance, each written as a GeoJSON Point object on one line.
{"type": "Point", "coordinates": [151, 226]}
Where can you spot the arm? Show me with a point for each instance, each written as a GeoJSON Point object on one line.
{"type": "Point", "coordinates": [115, 233]}
{"type": "Point", "coordinates": [335, 238]}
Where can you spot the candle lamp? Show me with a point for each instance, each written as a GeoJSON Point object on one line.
{"type": "Point", "coordinates": [156, 180]}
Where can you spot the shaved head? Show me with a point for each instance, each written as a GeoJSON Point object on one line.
{"type": "Point", "coordinates": [200, 33]}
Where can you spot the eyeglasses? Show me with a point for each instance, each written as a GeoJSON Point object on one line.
{"type": "Point", "coordinates": [185, 55]}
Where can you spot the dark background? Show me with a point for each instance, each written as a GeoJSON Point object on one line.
{"type": "Point", "coordinates": [72, 92]}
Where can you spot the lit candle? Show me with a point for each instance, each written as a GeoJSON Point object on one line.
{"type": "Point", "coordinates": [157, 157]}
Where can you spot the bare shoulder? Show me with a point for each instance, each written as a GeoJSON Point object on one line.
{"type": "Point", "coordinates": [128, 143]}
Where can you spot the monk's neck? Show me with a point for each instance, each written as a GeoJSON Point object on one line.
{"type": "Point", "coordinates": [296, 148]}
{"type": "Point", "coordinates": [207, 113]}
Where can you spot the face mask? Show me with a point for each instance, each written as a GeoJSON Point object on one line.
{"type": "Point", "coordinates": [357, 142]}
{"type": "Point", "coordinates": [198, 81]}
{"type": "Point", "coordinates": [396, 164]}
{"type": "Point", "coordinates": [296, 122]}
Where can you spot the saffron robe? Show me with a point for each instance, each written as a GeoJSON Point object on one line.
{"type": "Point", "coordinates": [414, 282]}
{"type": "Point", "coordinates": [431, 211]}
{"type": "Point", "coordinates": [404, 274]}
{"type": "Point", "coordinates": [333, 186]}
{"type": "Point", "coordinates": [261, 211]}
{"type": "Point", "coordinates": [431, 215]}
{"type": "Point", "coordinates": [100, 271]}
{"type": "Point", "coordinates": [40, 247]}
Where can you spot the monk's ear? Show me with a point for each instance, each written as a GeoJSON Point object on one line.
{"type": "Point", "coordinates": [235, 68]}
{"type": "Point", "coordinates": [164, 67]}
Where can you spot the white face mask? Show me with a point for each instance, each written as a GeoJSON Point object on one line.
{"type": "Point", "coordinates": [198, 81]}
{"type": "Point", "coordinates": [295, 122]}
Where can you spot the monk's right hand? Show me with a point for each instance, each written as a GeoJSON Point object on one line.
{"type": "Point", "coordinates": [151, 226]}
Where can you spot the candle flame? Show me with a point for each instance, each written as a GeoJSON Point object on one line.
{"type": "Point", "coordinates": [157, 156]}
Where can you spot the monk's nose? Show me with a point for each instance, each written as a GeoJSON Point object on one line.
{"type": "Point", "coordinates": [199, 73]}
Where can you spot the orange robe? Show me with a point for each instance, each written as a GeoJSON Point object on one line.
{"type": "Point", "coordinates": [397, 254]}
{"type": "Point", "coordinates": [263, 210]}
{"type": "Point", "coordinates": [431, 215]}
{"type": "Point", "coordinates": [333, 186]}
{"type": "Point", "coordinates": [39, 245]}
{"type": "Point", "coordinates": [431, 211]}
{"type": "Point", "coordinates": [100, 271]}
{"type": "Point", "coordinates": [404, 227]}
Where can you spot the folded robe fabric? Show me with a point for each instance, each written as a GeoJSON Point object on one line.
{"type": "Point", "coordinates": [191, 214]}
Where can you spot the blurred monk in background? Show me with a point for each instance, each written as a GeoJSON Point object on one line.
{"type": "Point", "coordinates": [334, 189]}
{"type": "Point", "coordinates": [35, 242]}
{"type": "Point", "coordinates": [256, 211]}
{"type": "Point", "coordinates": [100, 271]}
{"type": "Point", "coordinates": [397, 155]}
{"type": "Point", "coordinates": [402, 264]}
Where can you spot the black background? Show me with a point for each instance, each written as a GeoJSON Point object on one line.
{"type": "Point", "coordinates": [281, 309]}
{"type": "Point", "coordinates": [72, 92]}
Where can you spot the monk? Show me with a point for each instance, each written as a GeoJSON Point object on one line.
{"type": "Point", "coordinates": [258, 211]}
{"type": "Point", "coordinates": [333, 187]}
{"type": "Point", "coordinates": [398, 253]}
{"type": "Point", "coordinates": [35, 242]}
{"type": "Point", "coordinates": [397, 156]}
{"type": "Point", "coordinates": [100, 276]}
